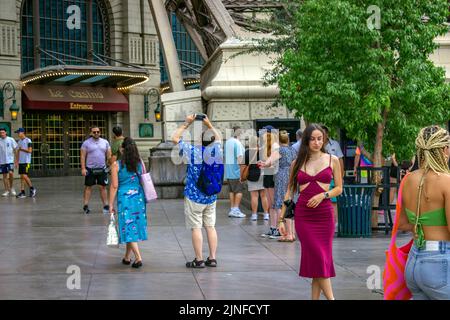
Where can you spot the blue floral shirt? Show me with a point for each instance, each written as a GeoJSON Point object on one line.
{"type": "Point", "coordinates": [193, 155]}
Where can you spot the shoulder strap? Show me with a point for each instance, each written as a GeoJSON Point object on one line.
{"type": "Point", "coordinates": [398, 210]}
{"type": "Point", "coordinates": [144, 171]}
{"type": "Point", "coordinates": [330, 161]}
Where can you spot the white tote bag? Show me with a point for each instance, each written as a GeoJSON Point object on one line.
{"type": "Point", "coordinates": [112, 239]}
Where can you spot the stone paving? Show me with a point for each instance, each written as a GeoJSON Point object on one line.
{"type": "Point", "coordinates": [40, 238]}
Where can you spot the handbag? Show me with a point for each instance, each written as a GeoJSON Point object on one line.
{"type": "Point", "coordinates": [112, 238]}
{"type": "Point", "coordinates": [290, 209]}
{"type": "Point", "coordinates": [147, 185]}
{"type": "Point", "coordinates": [394, 282]}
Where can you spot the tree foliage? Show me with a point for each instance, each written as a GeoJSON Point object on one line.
{"type": "Point", "coordinates": [333, 67]}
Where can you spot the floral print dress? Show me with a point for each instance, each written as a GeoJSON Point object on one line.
{"type": "Point", "coordinates": [131, 209]}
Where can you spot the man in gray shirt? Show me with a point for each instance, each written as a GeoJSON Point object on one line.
{"type": "Point", "coordinates": [299, 135]}
{"type": "Point", "coordinates": [95, 154]}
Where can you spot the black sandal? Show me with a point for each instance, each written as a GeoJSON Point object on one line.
{"type": "Point", "coordinates": [195, 264]}
{"type": "Point", "coordinates": [126, 262]}
{"type": "Point", "coordinates": [211, 262]}
{"type": "Point", "coordinates": [137, 264]}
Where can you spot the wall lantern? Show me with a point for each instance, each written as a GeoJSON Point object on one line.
{"type": "Point", "coordinates": [14, 108]}
{"type": "Point", "coordinates": [152, 97]}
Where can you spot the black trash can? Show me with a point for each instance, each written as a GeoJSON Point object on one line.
{"type": "Point", "coordinates": [355, 211]}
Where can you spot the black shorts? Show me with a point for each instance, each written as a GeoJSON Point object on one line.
{"type": "Point", "coordinates": [100, 178]}
{"type": "Point", "coordinates": [24, 168]}
{"type": "Point", "coordinates": [7, 168]}
{"type": "Point", "coordinates": [268, 182]}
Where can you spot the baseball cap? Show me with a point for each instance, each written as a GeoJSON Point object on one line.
{"type": "Point", "coordinates": [19, 130]}
{"type": "Point", "coordinates": [268, 128]}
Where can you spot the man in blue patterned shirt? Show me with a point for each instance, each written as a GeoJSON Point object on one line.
{"type": "Point", "coordinates": [199, 208]}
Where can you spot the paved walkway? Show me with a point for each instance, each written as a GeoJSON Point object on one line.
{"type": "Point", "coordinates": [40, 238]}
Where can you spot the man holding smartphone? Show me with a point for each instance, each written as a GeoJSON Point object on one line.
{"type": "Point", "coordinates": [199, 208]}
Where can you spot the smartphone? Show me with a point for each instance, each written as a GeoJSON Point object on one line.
{"type": "Point", "coordinates": [200, 116]}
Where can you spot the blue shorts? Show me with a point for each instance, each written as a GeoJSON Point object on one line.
{"type": "Point", "coordinates": [427, 272]}
{"type": "Point", "coordinates": [6, 168]}
{"type": "Point", "coordinates": [334, 200]}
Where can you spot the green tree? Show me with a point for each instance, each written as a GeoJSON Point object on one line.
{"type": "Point", "coordinates": [376, 83]}
{"type": "Point", "coordinates": [336, 65]}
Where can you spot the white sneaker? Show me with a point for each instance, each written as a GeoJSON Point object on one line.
{"type": "Point", "coordinates": [266, 216]}
{"type": "Point", "coordinates": [254, 216]}
{"type": "Point", "coordinates": [5, 194]}
{"type": "Point", "coordinates": [13, 192]}
{"type": "Point", "coordinates": [239, 214]}
{"type": "Point", "coordinates": [232, 214]}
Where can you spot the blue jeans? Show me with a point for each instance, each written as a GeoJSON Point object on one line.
{"type": "Point", "coordinates": [427, 271]}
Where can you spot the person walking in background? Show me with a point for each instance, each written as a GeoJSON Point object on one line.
{"type": "Point", "coordinates": [116, 144]}
{"type": "Point", "coordinates": [426, 212]}
{"type": "Point", "coordinates": [255, 183]}
{"type": "Point", "coordinates": [298, 143]}
{"type": "Point", "coordinates": [200, 209]}
{"type": "Point", "coordinates": [234, 152]}
{"type": "Point", "coordinates": [287, 155]}
{"type": "Point", "coordinates": [131, 207]}
{"type": "Point", "coordinates": [269, 166]}
{"type": "Point", "coordinates": [7, 154]}
{"type": "Point", "coordinates": [23, 161]}
{"type": "Point", "coordinates": [95, 154]}
{"type": "Point", "coordinates": [332, 147]}
{"type": "Point", "coordinates": [312, 173]}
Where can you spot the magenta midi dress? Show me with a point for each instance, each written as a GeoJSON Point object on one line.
{"type": "Point", "coordinates": [315, 227]}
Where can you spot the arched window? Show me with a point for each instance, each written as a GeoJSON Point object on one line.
{"type": "Point", "coordinates": [70, 27]}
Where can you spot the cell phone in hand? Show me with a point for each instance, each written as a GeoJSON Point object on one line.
{"type": "Point", "coordinates": [200, 116]}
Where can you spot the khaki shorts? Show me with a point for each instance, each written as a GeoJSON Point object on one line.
{"type": "Point", "coordinates": [235, 186]}
{"type": "Point", "coordinates": [198, 215]}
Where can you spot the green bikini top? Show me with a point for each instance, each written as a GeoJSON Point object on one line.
{"type": "Point", "coordinates": [430, 218]}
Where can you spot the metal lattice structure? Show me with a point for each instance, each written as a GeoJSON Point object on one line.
{"type": "Point", "coordinates": [211, 22]}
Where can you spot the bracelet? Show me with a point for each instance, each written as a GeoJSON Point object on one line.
{"type": "Point", "coordinates": [282, 220]}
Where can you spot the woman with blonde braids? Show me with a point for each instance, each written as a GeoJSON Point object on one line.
{"type": "Point", "coordinates": [426, 212]}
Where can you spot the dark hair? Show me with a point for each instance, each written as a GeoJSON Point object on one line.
{"type": "Point", "coordinates": [206, 141]}
{"type": "Point", "coordinates": [304, 154]}
{"type": "Point", "coordinates": [130, 155]}
{"type": "Point", "coordinates": [117, 131]}
{"type": "Point", "coordinates": [2, 129]}
{"type": "Point", "coordinates": [235, 130]}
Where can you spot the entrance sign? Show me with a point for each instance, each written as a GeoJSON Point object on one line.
{"type": "Point", "coordinates": [70, 98]}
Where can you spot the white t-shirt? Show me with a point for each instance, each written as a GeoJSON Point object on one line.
{"type": "Point", "coordinates": [7, 147]}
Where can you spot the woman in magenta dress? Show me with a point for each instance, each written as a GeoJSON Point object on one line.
{"type": "Point", "coordinates": [312, 173]}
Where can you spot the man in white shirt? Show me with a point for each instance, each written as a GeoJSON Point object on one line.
{"type": "Point", "coordinates": [7, 152]}
{"type": "Point", "coordinates": [234, 152]}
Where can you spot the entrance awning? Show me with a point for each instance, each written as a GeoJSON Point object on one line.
{"type": "Point", "coordinates": [122, 78]}
{"type": "Point", "coordinates": [70, 98]}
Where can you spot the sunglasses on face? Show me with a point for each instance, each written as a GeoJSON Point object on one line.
{"type": "Point", "coordinates": [95, 132]}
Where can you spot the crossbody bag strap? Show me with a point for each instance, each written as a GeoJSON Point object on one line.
{"type": "Point", "coordinates": [144, 171]}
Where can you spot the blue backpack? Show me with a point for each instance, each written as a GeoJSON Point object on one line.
{"type": "Point", "coordinates": [211, 176]}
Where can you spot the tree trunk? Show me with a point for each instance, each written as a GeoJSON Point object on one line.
{"type": "Point", "coordinates": [377, 163]}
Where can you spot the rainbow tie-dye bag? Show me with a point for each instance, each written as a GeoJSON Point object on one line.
{"type": "Point", "coordinates": [394, 282]}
